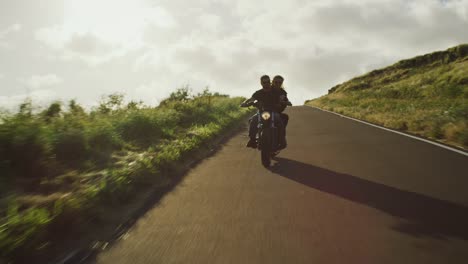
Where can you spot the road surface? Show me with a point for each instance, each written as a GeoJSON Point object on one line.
{"type": "Point", "coordinates": [343, 192]}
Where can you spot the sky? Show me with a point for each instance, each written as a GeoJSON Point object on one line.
{"type": "Point", "coordinates": [84, 49]}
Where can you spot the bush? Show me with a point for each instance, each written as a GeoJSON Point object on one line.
{"type": "Point", "coordinates": [67, 142]}
{"type": "Point", "coordinates": [103, 140]}
{"type": "Point", "coordinates": [71, 147]}
{"type": "Point", "coordinates": [140, 128]}
{"type": "Point", "coordinates": [76, 110]}
{"type": "Point", "coordinates": [24, 146]}
{"type": "Point", "coordinates": [110, 103]}
{"type": "Point", "coordinates": [53, 111]}
{"type": "Point", "coordinates": [22, 229]}
{"type": "Point", "coordinates": [168, 119]}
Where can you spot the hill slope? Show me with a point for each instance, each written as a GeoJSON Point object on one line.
{"type": "Point", "coordinates": [426, 95]}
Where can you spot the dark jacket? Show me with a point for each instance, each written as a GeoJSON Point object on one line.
{"type": "Point", "coordinates": [269, 99]}
{"type": "Point", "coordinates": [282, 92]}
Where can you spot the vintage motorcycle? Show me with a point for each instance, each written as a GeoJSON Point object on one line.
{"type": "Point", "coordinates": [267, 133]}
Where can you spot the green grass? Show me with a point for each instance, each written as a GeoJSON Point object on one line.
{"type": "Point", "coordinates": [20, 229]}
{"type": "Point", "coordinates": [426, 95]}
{"type": "Point", "coordinates": [60, 163]}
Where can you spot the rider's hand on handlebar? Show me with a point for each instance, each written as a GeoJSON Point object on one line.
{"type": "Point", "coordinates": [251, 103]}
{"type": "Point", "coordinates": [246, 104]}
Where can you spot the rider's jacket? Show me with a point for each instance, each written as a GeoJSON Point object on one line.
{"type": "Point", "coordinates": [283, 93]}
{"type": "Point", "coordinates": [269, 99]}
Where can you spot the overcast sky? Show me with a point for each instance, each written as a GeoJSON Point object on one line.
{"type": "Point", "coordinates": [82, 49]}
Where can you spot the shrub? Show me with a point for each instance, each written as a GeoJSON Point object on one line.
{"type": "Point", "coordinates": [76, 110]}
{"type": "Point", "coordinates": [25, 109]}
{"type": "Point", "coordinates": [103, 140]}
{"type": "Point", "coordinates": [22, 228]}
{"type": "Point", "coordinates": [53, 111]}
{"type": "Point", "coordinates": [110, 103]}
{"type": "Point", "coordinates": [181, 94]}
{"type": "Point", "coordinates": [24, 146]}
{"type": "Point", "coordinates": [141, 128]}
{"type": "Point", "coordinates": [71, 147]}
{"type": "Point", "coordinates": [168, 119]}
{"type": "Point", "coordinates": [75, 138]}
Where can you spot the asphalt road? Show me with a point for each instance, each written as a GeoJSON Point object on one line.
{"type": "Point", "coordinates": [343, 192]}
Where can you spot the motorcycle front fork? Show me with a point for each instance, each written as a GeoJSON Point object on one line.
{"type": "Point", "coordinates": [274, 131]}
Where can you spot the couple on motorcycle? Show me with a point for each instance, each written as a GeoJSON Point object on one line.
{"type": "Point", "coordinates": [272, 97]}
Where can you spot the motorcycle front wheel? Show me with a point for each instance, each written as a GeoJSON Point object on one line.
{"type": "Point", "coordinates": [265, 149]}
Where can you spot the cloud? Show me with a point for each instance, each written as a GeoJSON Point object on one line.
{"type": "Point", "coordinates": [98, 32]}
{"type": "Point", "coordinates": [147, 50]}
{"type": "Point", "coordinates": [151, 93]}
{"type": "Point", "coordinates": [387, 26]}
{"type": "Point", "coordinates": [38, 97]}
{"type": "Point", "coordinates": [316, 45]}
{"type": "Point", "coordinates": [86, 44]}
{"type": "Point", "coordinates": [40, 81]}
{"type": "Point", "coordinates": [85, 47]}
{"type": "Point", "coordinates": [11, 29]}
{"type": "Point", "coordinates": [7, 31]}
{"type": "Point", "coordinates": [210, 22]}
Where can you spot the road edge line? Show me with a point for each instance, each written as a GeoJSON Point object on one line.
{"type": "Point", "coordinates": [397, 132]}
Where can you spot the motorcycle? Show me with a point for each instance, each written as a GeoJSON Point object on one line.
{"type": "Point", "coordinates": [267, 133]}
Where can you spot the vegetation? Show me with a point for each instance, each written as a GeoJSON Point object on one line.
{"type": "Point", "coordinates": [59, 163]}
{"type": "Point", "coordinates": [426, 95]}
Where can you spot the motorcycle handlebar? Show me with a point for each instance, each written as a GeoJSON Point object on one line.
{"type": "Point", "coordinates": [257, 104]}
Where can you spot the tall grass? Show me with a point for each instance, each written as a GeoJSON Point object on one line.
{"type": "Point", "coordinates": [427, 95]}
{"type": "Point", "coordinates": [98, 156]}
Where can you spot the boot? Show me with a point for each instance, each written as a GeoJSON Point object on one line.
{"type": "Point", "coordinates": [252, 143]}
{"type": "Point", "coordinates": [282, 144]}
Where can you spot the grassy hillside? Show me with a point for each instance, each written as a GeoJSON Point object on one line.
{"type": "Point", "coordinates": [59, 164]}
{"type": "Point", "coordinates": [426, 95]}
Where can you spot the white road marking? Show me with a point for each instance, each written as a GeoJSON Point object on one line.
{"type": "Point", "coordinates": [398, 132]}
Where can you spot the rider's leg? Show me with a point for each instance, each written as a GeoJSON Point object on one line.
{"type": "Point", "coordinates": [285, 119]}
{"type": "Point", "coordinates": [280, 125]}
{"type": "Point", "coordinates": [253, 128]}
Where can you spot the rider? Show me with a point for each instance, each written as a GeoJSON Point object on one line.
{"type": "Point", "coordinates": [277, 85]}
{"type": "Point", "coordinates": [269, 100]}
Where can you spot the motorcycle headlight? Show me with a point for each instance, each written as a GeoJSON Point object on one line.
{"type": "Point", "coordinates": [266, 115]}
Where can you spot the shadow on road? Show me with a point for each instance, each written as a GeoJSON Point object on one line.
{"type": "Point", "coordinates": [425, 216]}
